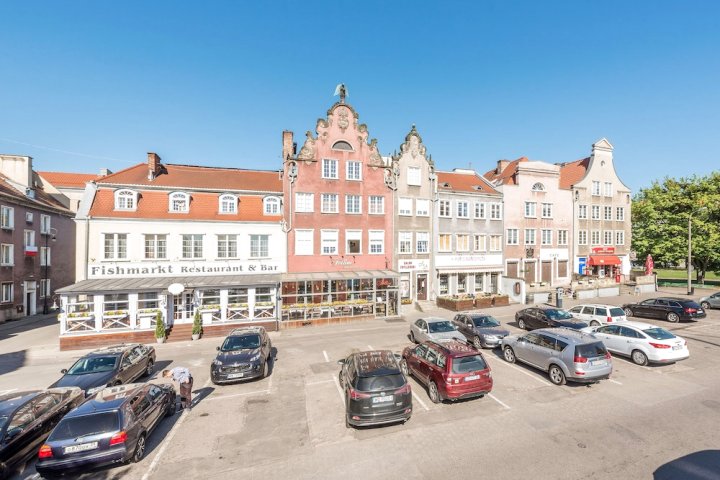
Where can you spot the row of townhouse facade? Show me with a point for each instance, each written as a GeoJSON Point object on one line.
{"type": "Point", "coordinates": [339, 231]}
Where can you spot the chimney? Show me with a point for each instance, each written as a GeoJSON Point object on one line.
{"type": "Point", "coordinates": [104, 172]}
{"type": "Point", "coordinates": [153, 165]}
{"type": "Point", "coordinates": [501, 165]}
{"type": "Point", "coordinates": [288, 146]}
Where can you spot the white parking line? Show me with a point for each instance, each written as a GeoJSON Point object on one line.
{"type": "Point", "coordinates": [370, 347]}
{"type": "Point", "coordinates": [318, 382]}
{"type": "Point", "coordinates": [327, 359]}
{"type": "Point", "coordinates": [5, 392]}
{"type": "Point", "coordinates": [614, 381]}
{"type": "Point", "coordinates": [242, 394]}
{"type": "Point", "coordinates": [498, 401]}
{"type": "Point", "coordinates": [533, 376]}
{"type": "Point", "coordinates": [340, 392]}
{"type": "Point", "coordinates": [419, 400]}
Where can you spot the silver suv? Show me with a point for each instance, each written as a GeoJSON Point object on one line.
{"type": "Point", "coordinates": [564, 353]}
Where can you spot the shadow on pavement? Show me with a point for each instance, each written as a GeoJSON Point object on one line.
{"type": "Point", "coordinates": [702, 465]}
{"type": "Point", "coordinates": [13, 328]}
{"type": "Point", "coordinates": [9, 362]}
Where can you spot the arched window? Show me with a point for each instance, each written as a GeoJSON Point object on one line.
{"type": "Point", "coordinates": [179, 202]}
{"type": "Point", "coordinates": [271, 206]}
{"type": "Point", "coordinates": [538, 187]}
{"type": "Point", "coordinates": [125, 200]}
{"type": "Point", "coordinates": [343, 145]}
{"type": "Point", "coordinates": [228, 203]}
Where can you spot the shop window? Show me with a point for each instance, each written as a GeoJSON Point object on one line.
{"type": "Point", "coordinates": [210, 298]}
{"type": "Point", "coordinates": [461, 282]}
{"type": "Point", "coordinates": [148, 301]}
{"type": "Point", "coordinates": [494, 277]}
{"type": "Point", "coordinates": [115, 302]}
{"type": "Point", "coordinates": [479, 282]}
{"type": "Point", "coordinates": [444, 284]}
{"type": "Point", "coordinates": [237, 297]}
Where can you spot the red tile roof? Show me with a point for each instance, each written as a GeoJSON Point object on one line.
{"type": "Point", "coordinates": [190, 177]}
{"type": "Point", "coordinates": [41, 200]}
{"type": "Point", "coordinates": [573, 172]}
{"type": "Point", "coordinates": [508, 175]}
{"type": "Point", "coordinates": [67, 179]}
{"type": "Point", "coordinates": [463, 182]}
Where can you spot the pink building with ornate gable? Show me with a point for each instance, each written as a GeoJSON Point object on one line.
{"type": "Point", "coordinates": [338, 214]}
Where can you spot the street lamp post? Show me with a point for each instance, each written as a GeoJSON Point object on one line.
{"type": "Point", "coordinates": [689, 259]}
{"type": "Point", "coordinates": [51, 232]}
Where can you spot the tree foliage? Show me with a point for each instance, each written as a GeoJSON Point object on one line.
{"type": "Point", "coordinates": [660, 216]}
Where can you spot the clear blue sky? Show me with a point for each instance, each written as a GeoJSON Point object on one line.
{"type": "Point", "coordinates": [215, 83]}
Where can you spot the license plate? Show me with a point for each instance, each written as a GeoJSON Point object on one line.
{"type": "Point", "coordinates": [677, 347]}
{"type": "Point", "coordinates": [386, 398]}
{"type": "Point", "coordinates": [81, 448]}
{"type": "Point", "coordinates": [597, 363]}
{"type": "Point", "coordinates": [471, 377]}
{"type": "Point", "coordinates": [700, 311]}
{"type": "Point", "coordinates": [235, 375]}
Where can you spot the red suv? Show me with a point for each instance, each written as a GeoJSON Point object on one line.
{"type": "Point", "coordinates": [450, 369]}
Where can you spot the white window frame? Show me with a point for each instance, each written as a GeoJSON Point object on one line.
{"type": "Point", "coordinates": [155, 239]}
{"type": "Point", "coordinates": [329, 168]}
{"type": "Point", "coordinates": [353, 204]}
{"type": "Point", "coordinates": [562, 237]}
{"type": "Point", "coordinates": [496, 243]}
{"type": "Point", "coordinates": [7, 217]}
{"type": "Point", "coordinates": [496, 211]}
{"type": "Point", "coordinates": [353, 235]}
{"type": "Point", "coordinates": [480, 210]}
{"type": "Point", "coordinates": [546, 210]}
{"type": "Point", "coordinates": [608, 189]}
{"type": "Point", "coordinates": [45, 290]}
{"type": "Point", "coordinates": [375, 238]}
{"type": "Point", "coordinates": [530, 209]}
{"type": "Point", "coordinates": [414, 178]}
{"type": "Point", "coordinates": [272, 206]}
{"type": "Point", "coordinates": [512, 235]}
{"type": "Point", "coordinates": [304, 202]}
{"type": "Point", "coordinates": [405, 243]}
{"type": "Point", "coordinates": [595, 188]}
{"type": "Point", "coordinates": [582, 237]}
{"type": "Point", "coordinates": [29, 238]}
{"type": "Point", "coordinates": [444, 208]}
{"type": "Point", "coordinates": [462, 209]}
{"type": "Point", "coordinates": [179, 196]}
{"type": "Point", "coordinates": [7, 255]}
{"type": "Point", "coordinates": [116, 253]}
{"type": "Point", "coordinates": [607, 213]}
{"type": "Point", "coordinates": [422, 242]}
{"type": "Point", "coordinates": [582, 212]}
{"type": "Point", "coordinates": [462, 242]}
{"type": "Point", "coordinates": [227, 204]}
{"type": "Point", "coordinates": [546, 236]}
{"type": "Point", "coordinates": [324, 203]}
{"type": "Point", "coordinates": [226, 241]}
{"type": "Point", "coordinates": [422, 207]}
{"type": "Point", "coordinates": [530, 236]}
{"type": "Point", "coordinates": [329, 239]}
{"type": "Point", "coordinates": [608, 237]}
{"type": "Point", "coordinates": [262, 248]}
{"type": "Point", "coordinates": [375, 201]}
{"type": "Point", "coordinates": [480, 243]}
{"type": "Point", "coordinates": [46, 256]}
{"type": "Point", "coordinates": [405, 206]}
{"type": "Point", "coordinates": [304, 242]}
{"type": "Point", "coordinates": [126, 196]}
{"type": "Point", "coordinates": [196, 239]}
{"type": "Point", "coordinates": [8, 293]}
{"type": "Point", "coordinates": [353, 171]}
{"type": "Point", "coordinates": [620, 214]}
{"type": "Point", "coordinates": [595, 212]}
{"type": "Point", "coordinates": [448, 248]}
{"type": "Point", "coordinates": [538, 187]}
{"type": "Point", "coordinates": [595, 237]}
{"type": "Point", "coordinates": [620, 237]}
{"type": "Point", "coordinates": [45, 224]}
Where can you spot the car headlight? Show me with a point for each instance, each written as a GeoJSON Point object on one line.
{"type": "Point", "coordinates": [491, 337]}
{"type": "Point", "coordinates": [217, 362]}
{"type": "Point", "coordinates": [94, 390]}
{"type": "Point", "coordinates": [256, 357]}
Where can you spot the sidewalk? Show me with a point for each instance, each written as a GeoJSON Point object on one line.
{"type": "Point", "coordinates": [36, 335]}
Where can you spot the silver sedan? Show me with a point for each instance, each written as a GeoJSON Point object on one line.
{"type": "Point", "coordinates": [434, 328]}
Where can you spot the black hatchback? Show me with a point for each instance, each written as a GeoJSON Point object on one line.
{"type": "Point", "coordinates": [246, 353]}
{"type": "Point", "coordinates": [110, 428]}
{"type": "Point", "coordinates": [376, 391]}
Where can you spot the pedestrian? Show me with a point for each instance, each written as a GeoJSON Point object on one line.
{"type": "Point", "coordinates": [184, 378]}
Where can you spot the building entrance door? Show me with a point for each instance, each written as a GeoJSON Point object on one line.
{"type": "Point", "coordinates": [182, 307]}
{"type": "Point", "coordinates": [422, 286]}
{"type": "Point", "coordinates": [30, 299]}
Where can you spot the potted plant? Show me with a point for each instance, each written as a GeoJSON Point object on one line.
{"type": "Point", "coordinates": [197, 326]}
{"type": "Point", "coordinates": [160, 333]}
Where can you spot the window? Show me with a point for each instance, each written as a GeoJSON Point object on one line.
{"type": "Point", "coordinates": [546, 236]}
{"type": "Point", "coordinates": [595, 237]}
{"type": "Point", "coordinates": [45, 257]}
{"type": "Point", "coordinates": [155, 246]}
{"type": "Point", "coordinates": [582, 211]}
{"type": "Point", "coordinates": [7, 217]}
{"type": "Point", "coordinates": [7, 257]}
{"type": "Point", "coordinates": [227, 204]}
{"type": "Point", "coordinates": [45, 227]}
{"type": "Point", "coordinates": [461, 282]}
{"type": "Point", "coordinates": [271, 206]}
{"type": "Point", "coordinates": [607, 213]}
{"type": "Point", "coordinates": [377, 205]}
{"type": "Point", "coordinates": [444, 242]}
{"type": "Point", "coordinates": [462, 242]}
{"type": "Point", "coordinates": [45, 290]}
{"type": "Point", "coordinates": [405, 242]}
{"type": "Point", "coordinates": [329, 168]}
{"type": "Point", "coordinates": [414, 176]}
{"type": "Point", "coordinates": [547, 210]}
{"type": "Point", "coordinates": [29, 238]}
{"type": "Point", "coordinates": [582, 237]}
{"type": "Point", "coordinates": [562, 237]}
{"type": "Point", "coordinates": [259, 246]}
{"type": "Point", "coordinates": [538, 187]}
{"type": "Point", "coordinates": [329, 242]}
{"type": "Point", "coordinates": [480, 243]}
{"type": "Point", "coordinates": [376, 238]}
{"type": "Point", "coordinates": [329, 203]}
{"type": "Point", "coordinates": [148, 300]}
{"type": "Point", "coordinates": [342, 145]}
{"type": "Point", "coordinates": [530, 209]}
{"type": "Point", "coordinates": [125, 200]}
{"type": "Point", "coordinates": [620, 214]}
{"type": "Point", "coordinates": [595, 187]}
{"type": "Point", "coordinates": [7, 293]}
{"type": "Point", "coordinates": [480, 210]}
{"type": "Point", "coordinates": [353, 204]}
{"type": "Point", "coordinates": [422, 207]}
{"type": "Point", "coordinates": [512, 236]}
{"type": "Point", "coordinates": [192, 246]}
{"type": "Point", "coordinates": [495, 211]}
{"type": "Point", "coordinates": [304, 202]}
{"type": "Point", "coordinates": [495, 243]}
{"type": "Point", "coordinates": [607, 237]}
{"type": "Point", "coordinates": [620, 237]}
{"type": "Point", "coordinates": [529, 236]}
{"type": "Point", "coordinates": [479, 281]}
{"type": "Point", "coordinates": [422, 242]}
{"type": "Point", "coordinates": [462, 210]}
{"type": "Point", "coordinates": [353, 171]}
{"type": "Point", "coordinates": [227, 246]}
{"type": "Point", "coordinates": [179, 202]}
{"type": "Point", "coordinates": [405, 206]}
{"type": "Point", "coordinates": [115, 246]}
{"type": "Point", "coordinates": [444, 208]}
{"type": "Point", "coordinates": [444, 284]}
{"type": "Point", "coordinates": [608, 189]}
{"type": "Point", "coordinates": [353, 242]}
{"type": "Point", "coordinates": [304, 242]}
{"type": "Point", "coordinates": [595, 209]}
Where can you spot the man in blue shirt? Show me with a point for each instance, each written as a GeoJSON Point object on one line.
{"type": "Point", "coordinates": [184, 378]}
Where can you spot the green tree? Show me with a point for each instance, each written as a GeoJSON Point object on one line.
{"type": "Point", "coordinates": [660, 217]}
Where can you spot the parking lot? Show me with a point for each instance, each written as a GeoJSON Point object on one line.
{"type": "Point", "coordinates": [291, 424]}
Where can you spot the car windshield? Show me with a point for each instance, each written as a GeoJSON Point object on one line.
{"type": "Point", "coordinates": [468, 364]}
{"type": "Point", "coordinates": [240, 343]}
{"type": "Point", "coordinates": [440, 327]}
{"type": "Point", "coordinates": [380, 382]}
{"type": "Point", "coordinates": [617, 312]}
{"type": "Point", "coordinates": [93, 365]}
{"type": "Point", "coordinates": [658, 333]}
{"type": "Point", "coordinates": [485, 322]}
{"type": "Point", "coordinates": [558, 315]}
{"type": "Point", "coordinates": [85, 425]}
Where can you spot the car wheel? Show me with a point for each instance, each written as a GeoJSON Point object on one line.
{"type": "Point", "coordinates": [629, 312]}
{"type": "Point", "coordinates": [556, 375]}
{"type": "Point", "coordinates": [150, 368]}
{"type": "Point", "coordinates": [509, 355]}
{"type": "Point", "coordinates": [521, 324]}
{"type": "Point", "coordinates": [594, 323]}
{"type": "Point", "coordinates": [404, 367]}
{"type": "Point", "coordinates": [139, 449]}
{"type": "Point", "coordinates": [347, 422]}
{"type": "Point", "coordinates": [705, 305]}
{"type": "Point", "coordinates": [639, 357]}
{"type": "Point", "coordinates": [266, 369]}
{"type": "Point", "coordinates": [117, 382]}
{"type": "Point", "coordinates": [433, 393]}
{"type": "Point", "coordinates": [673, 317]}
{"type": "Point", "coordinates": [477, 343]}
{"type": "Point", "coordinates": [171, 408]}
{"type": "Point", "coordinates": [412, 337]}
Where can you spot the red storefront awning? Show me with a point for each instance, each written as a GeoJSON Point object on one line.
{"type": "Point", "coordinates": [603, 260]}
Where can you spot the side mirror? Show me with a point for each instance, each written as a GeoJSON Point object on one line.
{"type": "Point", "coordinates": [424, 330]}
{"type": "Point", "coordinates": [12, 433]}
{"type": "Point", "coordinates": [217, 348]}
{"type": "Point", "coordinates": [341, 361]}
{"type": "Point", "coordinates": [63, 371]}
{"type": "Point", "coordinates": [264, 344]}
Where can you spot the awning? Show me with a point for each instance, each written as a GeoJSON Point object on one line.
{"type": "Point", "coordinates": [603, 260]}
{"type": "Point", "coordinates": [339, 275]}
{"type": "Point", "coordinates": [99, 285]}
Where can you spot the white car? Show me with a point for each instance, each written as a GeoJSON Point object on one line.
{"type": "Point", "coordinates": [434, 328]}
{"type": "Point", "coordinates": [596, 315]}
{"type": "Point", "coordinates": [642, 342]}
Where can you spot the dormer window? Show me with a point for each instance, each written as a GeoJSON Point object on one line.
{"type": "Point", "coordinates": [342, 145]}
{"type": "Point", "coordinates": [228, 204]}
{"type": "Point", "coordinates": [125, 200]}
{"type": "Point", "coordinates": [179, 202]}
{"type": "Point", "coordinates": [271, 206]}
{"type": "Point", "coordinates": [538, 187]}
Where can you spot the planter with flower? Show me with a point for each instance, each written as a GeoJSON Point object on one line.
{"type": "Point", "coordinates": [456, 303]}
{"type": "Point", "coordinates": [483, 301]}
{"type": "Point", "coordinates": [500, 300]}
{"type": "Point", "coordinates": [207, 312]}
{"type": "Point", "coordinates": [146, 316]}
